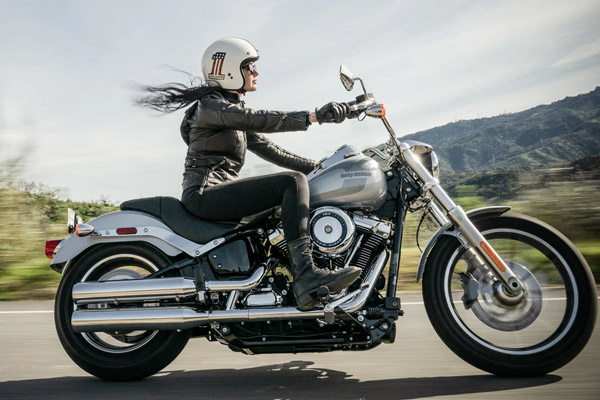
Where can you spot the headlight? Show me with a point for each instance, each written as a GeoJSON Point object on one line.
{"type": "Point", "coordinates": [431, 162]}
{"type": "Point", "coordinates": [426, 155]}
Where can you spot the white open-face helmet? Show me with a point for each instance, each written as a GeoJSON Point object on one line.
{"type": "Point", "coordinates": [223, 60]}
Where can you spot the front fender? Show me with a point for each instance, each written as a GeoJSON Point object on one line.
{"type": "Point", "coordinates": [448, 229]}
{"type": "Point", "coordinates": [150, 230]}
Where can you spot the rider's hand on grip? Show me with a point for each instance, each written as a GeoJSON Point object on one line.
{"type": "Point", "coordinates": [332, 112]}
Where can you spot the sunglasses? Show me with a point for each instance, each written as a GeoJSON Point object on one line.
{"type": "Point", "coordinates": [251, 68]}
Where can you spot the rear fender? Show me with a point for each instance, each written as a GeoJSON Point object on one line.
{"type": "Point", "coordinates": [150, 230]}
{"type": "Point", "coordinates": [448, 229]}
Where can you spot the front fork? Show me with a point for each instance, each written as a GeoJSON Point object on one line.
{"type": "Point", "coordinates": [468, 234]}
{"type": "Point", "coordinates": [470, 256]}
{"type": "Point", "coordinates": [479, 251]}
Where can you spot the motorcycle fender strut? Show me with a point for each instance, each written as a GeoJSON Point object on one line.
{"type": "Point", "coordinates": [448, 230]}
{"type": "Point", "coordinates": [149, 230]}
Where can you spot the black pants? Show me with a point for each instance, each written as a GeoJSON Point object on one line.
{"type": "Point", "coordinates": [240, 198]}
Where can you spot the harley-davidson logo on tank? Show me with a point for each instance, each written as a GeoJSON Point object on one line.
{"type": "Point", "coordinates": [356, 174]}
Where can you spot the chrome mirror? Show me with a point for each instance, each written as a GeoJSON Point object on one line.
{"type": "Point", "coordinates": [347, 77]}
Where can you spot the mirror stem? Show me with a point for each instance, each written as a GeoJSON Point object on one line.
{"type": "Point", "coordinates": [362, 84]}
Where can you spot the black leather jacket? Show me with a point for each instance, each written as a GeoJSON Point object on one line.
{"type": "Point", "coordinates": [218, 129]}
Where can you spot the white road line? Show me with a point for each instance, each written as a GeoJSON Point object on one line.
{"type": "Point", "coordinates": [27, 312]}
{"type": "Point", "coordinates": [419, 303]}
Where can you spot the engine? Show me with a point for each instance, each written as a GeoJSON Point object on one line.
{"type": "Point", "coordinates": [341, 238]}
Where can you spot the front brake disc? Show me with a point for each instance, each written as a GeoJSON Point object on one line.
{"type": "Point", "coordinates": [503, 311]}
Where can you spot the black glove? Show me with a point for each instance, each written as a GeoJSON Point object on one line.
{"type": "Point", "coordinates": [332, 112]}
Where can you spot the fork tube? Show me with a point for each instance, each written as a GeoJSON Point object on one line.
{"type": "Point", "coordinates": [397, 249]}
{"type": "Point", "coordinates": [471, 258]}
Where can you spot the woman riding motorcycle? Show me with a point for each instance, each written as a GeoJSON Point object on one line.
{"type": "Point", "coordinates": [218, 130]}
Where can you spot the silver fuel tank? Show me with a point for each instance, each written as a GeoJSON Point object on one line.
{"type": "Point", "coordinates": [348, 179]}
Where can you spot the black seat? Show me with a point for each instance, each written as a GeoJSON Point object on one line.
{"type": "Point", "coordinates": [172, 212]}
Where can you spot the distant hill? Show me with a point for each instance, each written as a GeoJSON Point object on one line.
{"type": "Point", "coordinates": [561, 132]}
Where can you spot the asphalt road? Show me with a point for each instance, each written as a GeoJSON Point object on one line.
{"type": "Point", "coordinates": [34, 365]}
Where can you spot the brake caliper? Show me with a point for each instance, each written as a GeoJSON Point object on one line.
{"type": "Point", "coordinates": [471, 288]}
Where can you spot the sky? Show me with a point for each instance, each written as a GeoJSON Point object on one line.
{"type": "Point", "coordinates": [69, 72]}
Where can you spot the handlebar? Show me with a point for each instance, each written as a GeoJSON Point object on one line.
{"type": "Point", "coordinates": [369, 107]}
{"type": "Point", "coordinates": [359, 107]}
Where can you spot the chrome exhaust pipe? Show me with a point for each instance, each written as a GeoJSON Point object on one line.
{"type": "Point", "coordinates": [130, 290]}
{"type": "Point", "coordinates": [155, 288]}
{"type": "Point", "coordinates": [165, 318]}
{"type": "Point", "coordinates": [357, 303]}
{"type": "Point", "coordinates": [133, 319]}
{"type": "Point", "coordinates": [244, 285]}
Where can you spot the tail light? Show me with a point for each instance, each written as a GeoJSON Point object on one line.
{"type": "Point", "coordinates": [126, 231]}
{"type": "Point", "coordinates": [52, 247]}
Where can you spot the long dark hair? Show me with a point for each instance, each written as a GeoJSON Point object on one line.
{"type": "Point", "coordinates": [174, 96]}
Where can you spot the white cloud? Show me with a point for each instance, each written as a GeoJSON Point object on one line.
{"type": "Point", "coordinates": [580, 53]}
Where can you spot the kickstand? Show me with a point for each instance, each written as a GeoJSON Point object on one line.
{"type": "Point", "coordinates": [340, 310]}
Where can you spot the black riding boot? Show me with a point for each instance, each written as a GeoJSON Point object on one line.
{"type": "Point", "coordinates": [308, 278]}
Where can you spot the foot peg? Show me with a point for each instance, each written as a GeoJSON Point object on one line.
{"type": "Point", "coordinates": [322, 294]}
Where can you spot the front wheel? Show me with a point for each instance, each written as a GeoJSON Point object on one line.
{"type": "Point", "coordinates": [512, 334]}
{"type": "Point", "coordinates": [121, 355]}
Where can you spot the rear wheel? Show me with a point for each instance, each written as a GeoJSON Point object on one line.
{"type": "Point", "coordinates": [120, 355]}
{"type": "Point", "coordinates": [514, 334]}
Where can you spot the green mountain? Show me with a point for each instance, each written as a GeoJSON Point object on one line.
{"type": "Point", "coordinates": [564, 131]}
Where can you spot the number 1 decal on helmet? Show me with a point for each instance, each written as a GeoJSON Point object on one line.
{"type": "Point", "coordinates": [217, 67]}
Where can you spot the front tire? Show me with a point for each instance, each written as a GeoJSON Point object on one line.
{"type": "Point", "coordinates": [530, 335]}
{"type": "Point", "coordinates": [115, 356]}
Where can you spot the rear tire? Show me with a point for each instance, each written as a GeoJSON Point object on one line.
{"type": "Point", "coordinates": [538, 335]}
{"type": "Point", "coordinates": [122, 356]}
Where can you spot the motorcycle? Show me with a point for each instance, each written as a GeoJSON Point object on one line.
{"type": "Point", "coordinates": [507, 293]}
